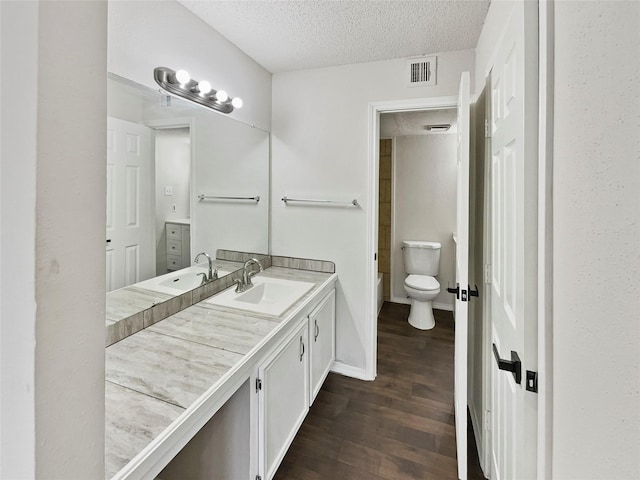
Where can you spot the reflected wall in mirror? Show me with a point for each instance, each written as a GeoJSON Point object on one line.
{"type": "Point", "coordinates": [164, 152]}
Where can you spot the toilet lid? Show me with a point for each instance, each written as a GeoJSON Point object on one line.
{"type": "Point", "coordinates": [422, 282]}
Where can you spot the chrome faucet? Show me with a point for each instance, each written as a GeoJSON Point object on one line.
{"type": "Point", "coordinates": [244, 283]}
{"type": "Point", "coordinates": [213, 273]}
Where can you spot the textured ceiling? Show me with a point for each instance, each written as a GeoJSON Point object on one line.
{"type": "Point", "coordinates": [286, 35]}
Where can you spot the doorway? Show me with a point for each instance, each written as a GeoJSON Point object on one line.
{"type": "Point", "coordinates": [417, 195]}
{"type": "Point", "coordinates": [172, 189]}
{"type": "Point", "coordinates": [461, 103]}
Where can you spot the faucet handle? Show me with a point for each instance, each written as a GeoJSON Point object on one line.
{"type": "Point", "coordinates": [239, 285]}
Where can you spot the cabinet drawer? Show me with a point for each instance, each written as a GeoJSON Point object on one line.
{"type": "Point", "coordinates": [174, 247]}
{"type": "Point", "coordinates": [173, 231]}
{"type": "Point", "coordinates": [174, 262]}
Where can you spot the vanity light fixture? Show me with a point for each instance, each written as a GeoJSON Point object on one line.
{"type": "Point", "coordinates": [181, 84]}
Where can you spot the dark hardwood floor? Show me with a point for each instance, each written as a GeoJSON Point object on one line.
{"type": "Point", "coordinates": [401, 426]}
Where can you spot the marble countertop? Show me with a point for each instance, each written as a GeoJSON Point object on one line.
{"type": "Point", "coordinates": [160, 375]}
{"type": "Point", "coordinates": [180, 221]}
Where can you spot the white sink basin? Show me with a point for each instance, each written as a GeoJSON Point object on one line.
{"type": "Point", "coordinates": [269, 296]}
{"type": "Point", "coordinates": [188, 280]}
{"type": "Point", "coordinates": [179, 282]}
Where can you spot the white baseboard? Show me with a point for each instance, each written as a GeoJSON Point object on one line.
{"type": "Point", "coordinates": [350, 371]}
{"type": "Point", "coordinates": [402, 300]}
{"type": "Point", "coordinates": [437, 305]}
{"type": "Point", "coordinates": [478, 434]}
{"type": "Point", "coordinates": [443, 306]}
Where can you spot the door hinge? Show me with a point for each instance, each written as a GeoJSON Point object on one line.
{"type": "Point", "coordinates": [258, 384]}
{"type": "Point", "coordinates": [487, 273]}
{"type": "Point", "coordinates": [487, 420]}
{"type": "Point", "coordinates": [486, 128]}
{"type": "Point", "coordinates": [532, 381]}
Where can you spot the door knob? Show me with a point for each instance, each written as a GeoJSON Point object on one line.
{"type": "Point", "coordinates": [514, 366]}
{"type": "Point", "coordinates": [455, 290]}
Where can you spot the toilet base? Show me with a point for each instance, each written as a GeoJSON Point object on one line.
{"type": "Point", "coordinates": [421, 315]}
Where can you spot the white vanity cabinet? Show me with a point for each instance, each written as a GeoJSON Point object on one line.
{"type": "Point", "coordinates": [178, 246]}
{"type": "Point", "coordinates": [283, 387]}
{"type": "Point", "coordinates": [289, 380]}
{"type": "Point", "coordinates": [322, 328]}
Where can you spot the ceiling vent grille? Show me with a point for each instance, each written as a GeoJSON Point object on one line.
{"type": "Point", "coordinates": [421, 71]}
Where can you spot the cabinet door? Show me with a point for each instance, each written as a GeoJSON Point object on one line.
{"type": "Point", "coordinates": [284, 399]}
{"type": "Point", "coordinates": [322, 343]}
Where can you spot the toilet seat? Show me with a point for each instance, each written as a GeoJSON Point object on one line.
{"type": "Point", "coordinates": [424, 283]}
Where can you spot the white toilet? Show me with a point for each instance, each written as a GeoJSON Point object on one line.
{"type": "Point", "coordinates": [421, 263]}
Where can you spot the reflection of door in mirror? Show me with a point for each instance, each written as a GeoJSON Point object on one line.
{"type": "Point", "coordinates": [130, 253]}
{"type": "Point", "coordinates": [172, 187]}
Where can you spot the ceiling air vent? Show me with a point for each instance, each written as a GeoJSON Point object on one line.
{"type": "Point", "coordinates": [421, 72]}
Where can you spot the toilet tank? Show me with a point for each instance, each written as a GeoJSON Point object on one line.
{"type": "Point", "coordinates": [421, 258]}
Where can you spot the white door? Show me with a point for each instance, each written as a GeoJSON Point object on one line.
{"type": "Point", "coordinates": [322, 343]}
{"type": "Point", "coordinates": [462, 276]}
{"type": "Point", "coordinates": [513, 262]}
{"type": "Point", "coordinates": [283, 399]}
{"type": "Point", "coordinates": [130, 243]}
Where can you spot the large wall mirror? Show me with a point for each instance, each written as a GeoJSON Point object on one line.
{"type": "Point", "coordinates": [181, 179]}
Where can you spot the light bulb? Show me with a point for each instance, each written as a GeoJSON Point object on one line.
{"type": "Point", "coordinates": [237, 102]}
{"type": "Point", "coordinates": [222, 96]}
{"type": "Point", "coordinates": [204, 87]}
{"type": "Point", "coordinates": [183, 77]}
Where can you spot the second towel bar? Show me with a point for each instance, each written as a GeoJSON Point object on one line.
{"type": "Point", "coordinates": [213, 197]}
{"type": "Point", "coordinates": [307, 200]}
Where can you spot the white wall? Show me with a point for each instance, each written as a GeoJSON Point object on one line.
{"type": "Point", "coordinates": [146, 35]}
{"type": "Point", "coordinates": [173, 169]}
{"type": "Point", "coordinates": [53, 399]}
{"type": "Point", "coordinates": [424, 205]}
{"type": "Point", "coordinates": [596, 241]}
{"type": "Point", "coordinates": [19, 70]}
{"type": "Point", "coordinates": [320, 144]}
{"type": "Point", "coordinates": [123, 102]}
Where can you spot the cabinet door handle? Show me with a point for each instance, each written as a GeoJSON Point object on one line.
{"type": "Point", "coordinates": [301, 348]}
{"type": "Point", "coordinates": [315, 338]}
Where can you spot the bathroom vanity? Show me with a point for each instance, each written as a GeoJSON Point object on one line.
{"type": "Point", "coordinates": [221, 379]}
{"type": "Point", "coordinates": [178, 241]}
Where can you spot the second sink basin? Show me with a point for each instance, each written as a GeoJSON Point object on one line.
{"type": "Point", "coordinates": [269, 296]}
{"type": "Point", "coordinates": [179, 282]}
{"type": "Point", "coordinates": [189, 280]}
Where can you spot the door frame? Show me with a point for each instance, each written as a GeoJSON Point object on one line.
{"type": "Point", "coordinates": [545, 237]}
{"type": "Point", "coordinates": [169, 124]}
{"type": "Point", "coordinates": [374, 111]}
